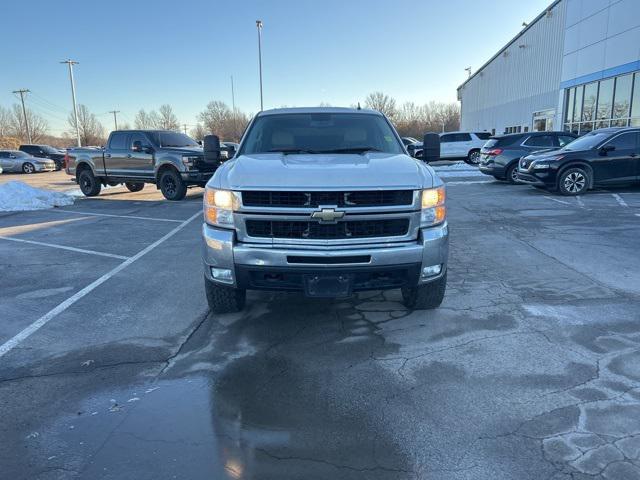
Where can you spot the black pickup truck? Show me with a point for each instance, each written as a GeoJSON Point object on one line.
{"type": "Point", "coordinates": [170, 160]}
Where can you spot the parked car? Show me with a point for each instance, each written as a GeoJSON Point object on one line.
{"type": "Point", "coordinates": [409, 141]}
{"type": "Point", "coordinates": [171, 160]}
{"type": "Point", "coordinates": [324, 201]}
{"type": "Point", "coordinates": [17, 161]}
{"type": "Point", "coordinates": [228, 150]}
{"type": "Point", "coordinates": [45, 151]}
{"type": "Point", "coordinates": [604, 157]}
{"type": "Point", "coordinates": [501, 154]}
{"type": "Point", "coordinates": [459, 145]}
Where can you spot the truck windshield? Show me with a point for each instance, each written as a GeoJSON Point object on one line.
{"type": "Point", "coordinates": [321, 133]}
{"type": "Point", "coordinates": [173, 139]}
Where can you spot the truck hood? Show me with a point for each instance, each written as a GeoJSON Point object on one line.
{"type": "Point", "coordinates": [322, 171]}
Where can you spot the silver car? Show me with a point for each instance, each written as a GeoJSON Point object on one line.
{"type": "Point", "coordinates": [17, 161]}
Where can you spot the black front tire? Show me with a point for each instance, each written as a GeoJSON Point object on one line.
{"type": "Point", "coordinates": [89, 185]}
{"type": "Point", "coordinates": [511, 174]}
{"type": "Point", "coordinates": [172, 186]}
{"type": "Point", "coordinates": [427, 296]}
{"type": "Point", "coordinates": [223, 299]}
{"type": "Point", "coordinates": [473, 158]}
{"type": "Point", "coordinates": [573, 181]}
{"type": "Point", "coordinates": [134, 186]}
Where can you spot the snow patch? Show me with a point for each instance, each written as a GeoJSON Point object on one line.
{"type": "Point", "coordinates": [459, 169]}
{"type": "Point", "coordinates": [18, 196]}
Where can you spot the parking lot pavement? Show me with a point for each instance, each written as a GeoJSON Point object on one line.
{"type": "Point", "coordinates": [529, 369]}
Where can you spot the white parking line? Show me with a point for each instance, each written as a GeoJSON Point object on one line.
{"type": "Point", "coordinates": [133, 217]}
{"type": "Point", "coordinates": [64, 247]}
{"type": "Point", "coordinates": [580, 202]}
{"type": "Point", "coordinates": [42, 321]}
{"type": "Point", "coordinates": [556, 200]}
{"type": "Point", "coordinates": [619, 200]}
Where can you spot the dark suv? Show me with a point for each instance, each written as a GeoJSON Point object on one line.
{"type": "Point", "coordinates": [609, 156]}
{"type": "Point", "coordinates": [45, 151]}
{"type": "Point", "coordinates": [500, 155]}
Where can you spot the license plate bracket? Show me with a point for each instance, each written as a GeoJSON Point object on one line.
{"type": "Point", "coordinates": [328, 286]}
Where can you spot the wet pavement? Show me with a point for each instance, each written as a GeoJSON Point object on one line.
{"type": "Point", "coordinates": [529, 370]}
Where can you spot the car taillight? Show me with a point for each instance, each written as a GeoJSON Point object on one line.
{"type": "Point", "coordinates": [494, 151]}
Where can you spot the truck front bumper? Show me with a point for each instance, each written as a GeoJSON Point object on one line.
{"type": "Point", "coordinates": [279, 267]}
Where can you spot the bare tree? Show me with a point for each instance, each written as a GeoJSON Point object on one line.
{"type": "Point", "coordinates": [218, 118]}
{"type": "Point", "coordinates": [198, 132]}
{"type": "Point", "coordinates": [167, 120]}
{"type": "Point", "coordinates": [381, 102]}
{"type": "Point", "coordinates": [91, 130]}
{"type": "Point", "coordinates": [144, 120]}
{"type": "Point", "coordinates": [17, 128]}
{"type": "Point", "coordinates": [5, 121]}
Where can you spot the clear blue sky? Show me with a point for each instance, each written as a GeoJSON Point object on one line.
{"type": "Point", "coordinates": [141, 53]}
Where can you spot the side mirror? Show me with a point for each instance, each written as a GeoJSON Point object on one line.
{"type": "Point", "coordinates": [232, 151]}
{"type": "Point", "coordinates": [431, 147]}
{"type": "Point", "coordinates": [211, 148]}
{"type": "Point", "coordinates": [137, 146]}
{"type": "Point", "coordinates": [606, 149]}
{"type": "Point", "coordinates": [12, 156]}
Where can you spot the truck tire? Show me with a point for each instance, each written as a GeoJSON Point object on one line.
{"type": "Point", "coordinates": [172, 186]}
{"type": "Point", "coordinates": [134, 186]}
{"type": "Point", "coordinates": [223, 299]}
{"type": "Point", "coordinates": [89, 184]}
{"type": "Point", "coordinates": [427, 296]}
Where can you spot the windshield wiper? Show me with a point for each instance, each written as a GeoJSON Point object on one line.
{"type": "Point", "coordinates": [351, 150]}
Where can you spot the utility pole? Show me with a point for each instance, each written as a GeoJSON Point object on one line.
{"type": "Point", "coordinates": [233, 106]}
{"type": "Point", "coordinates": [71, 63]}
{"type": "Point", "coordinates": [115, 118]}
{"type": "Point", "coordinates": [185, 128]}
{"type": "Point", "coordinates": [259, 27]}
{"type": "Point", "coordinates": [22, 91]}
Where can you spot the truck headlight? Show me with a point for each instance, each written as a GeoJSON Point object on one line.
{"type": "Point", "coordinates": [433, 208]}
{"type": "Point", "coordinates": [189, 161]}
{"type": "Point", "coordinates": [219, 206]}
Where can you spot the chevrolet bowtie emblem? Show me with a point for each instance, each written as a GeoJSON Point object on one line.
{"type": "Point", "coordinates": [327, 215]}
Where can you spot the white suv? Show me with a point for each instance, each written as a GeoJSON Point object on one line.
{"type": "Point", "coordinates": [464, 145]}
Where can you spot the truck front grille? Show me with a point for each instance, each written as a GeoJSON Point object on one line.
{"type": "Point", "coordinates": [319, 231]}
{"type": "Point", "coordinates": [368, 198]}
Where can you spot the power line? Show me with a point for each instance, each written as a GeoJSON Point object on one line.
{"type": "Point", "coordinates": [22, 91]}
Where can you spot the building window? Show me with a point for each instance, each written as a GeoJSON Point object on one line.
{"type": "Point", "coordinates": [611, 102]}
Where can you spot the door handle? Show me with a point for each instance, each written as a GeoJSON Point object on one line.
{"type": "Point", "coordinates": [129, 156]}
{"type": "Point", "coordinates": [107, 155]}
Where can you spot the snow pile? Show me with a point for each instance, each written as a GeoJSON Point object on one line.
{"type": "Point", "coordinates": [459, 169]}
{"type": "Point", "coordinates": [18, 196]}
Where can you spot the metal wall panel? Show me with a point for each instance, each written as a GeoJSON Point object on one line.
{"type": "Point", "coordinates": [522, 79]}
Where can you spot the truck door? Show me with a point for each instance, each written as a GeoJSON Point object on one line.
{"type": "Point", "coordinates": [139, 156]}
{"type": "Point", "coordinates": [617, 159]}
{"type": "Point", "coordinates": [115, 155]}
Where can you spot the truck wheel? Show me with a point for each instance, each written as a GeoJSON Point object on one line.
{"type": "Point", "coordinates": [172, 186]}
{"type": "Point", "coordinates": [134, 186]}
{"type": "Point", "coordinates": [427, 296]}
{"type": "Point", "coordinates": [224, 299]}
{"type": "Point", "coordinates": [573, 181]}
{"type": "Point", "coordinates": [89, 184]}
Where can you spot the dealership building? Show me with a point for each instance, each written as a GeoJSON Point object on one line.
{"type": "Point", "coordinates": [575, 67]}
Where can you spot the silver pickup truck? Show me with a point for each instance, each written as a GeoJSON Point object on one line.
{"type": "Point", "coordinates": [170, 160]}
{"type": "Point", "coordinates": [324, 201]}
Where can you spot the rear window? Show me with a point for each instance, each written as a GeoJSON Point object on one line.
{"type": "Point", "coordinates": [502, 141]}
{"type": "Point", "coordinates": [483, 135]}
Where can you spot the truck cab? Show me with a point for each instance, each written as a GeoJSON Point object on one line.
{"type": "Point", "coordinates": [326, 202]}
